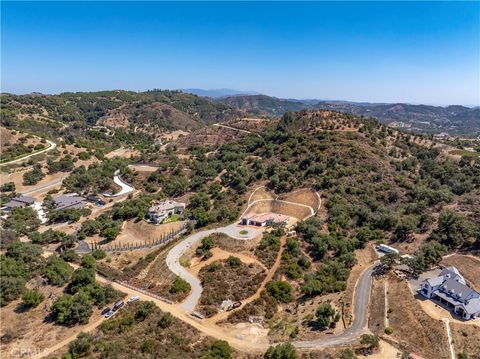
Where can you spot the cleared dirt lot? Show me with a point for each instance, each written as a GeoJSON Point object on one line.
{"type": "Point", "coordinates": [303, 196]}
{"type": "Point", "coordinates": [466, 339]}
{"type": "Point", "coordinates": [289, 209]}
{"type": "Point", "coordinates": [414, 330]}
{"type": "Point", "coordinates": [142, 232]}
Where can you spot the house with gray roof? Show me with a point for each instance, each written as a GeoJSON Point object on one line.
{"type": "Point", "coordinates": [18, 202]}
{"type": "Point", "coordinates": [450, 289]}
{"type": "Point", "coordinates": [69, 201]}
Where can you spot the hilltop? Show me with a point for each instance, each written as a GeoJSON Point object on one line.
{"type": "Point", "coordinates": [453, 120]}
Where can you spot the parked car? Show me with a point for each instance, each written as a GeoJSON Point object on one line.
{"type": "Point", "coordinates": [233, 306]}
{"type": "Point", "coordinates": [106, 310]}
{"type": "Point", "coordinates": [135, 298]}
{"type": "Point", "coordinates": [109, 314]}
{"type": "Point", "coordinates": [118, 305]}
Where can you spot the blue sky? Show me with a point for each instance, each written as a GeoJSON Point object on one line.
{"type": "Point", "coordinates": [426, 52]}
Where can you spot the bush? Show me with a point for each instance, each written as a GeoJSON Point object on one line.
{"type": "Point", "coordinates": [281, 351]}
{"type": "Point", "coordinates": [218, 350]}
{"type": "Point", "coordinates": [144, 310]}
{"type": "Point", "coordinates": [280, 291]}
{"type": "Point", "coordinates": [326, 315]}
{"type": "Point", "coordinates": [179, 285]}
{"type": "Point", "coordinates": [82, 346]}
{"type": "Point", "coordinates": [57, 271]}
{"type": "Point", "coordinates": [166, 320]}
{"type": "Point", "coordinates": [69, 310]}
{"type": "Point", "coordinates": [32, 298]}
{"type": "Point", "coordinates": [99, 254]}
{"type": "Point", "coordinates": [388, 330]}
{"type": "Point", "coordinates": [234, 262]}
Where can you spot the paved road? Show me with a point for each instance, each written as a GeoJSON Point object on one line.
{"type": "Point", "coordinates": [173, 259]}
{"type": "Point", "coordinates": [21, 159]}
{"type": "Point", "coordinates": [125, 187]}
{"type": "Point", "coordinates": [45, 186]}
{"type": "Point", "coordinates": [359, 325]}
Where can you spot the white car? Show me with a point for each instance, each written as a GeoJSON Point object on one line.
{"type": "Point", "coordinates": [135, 298]}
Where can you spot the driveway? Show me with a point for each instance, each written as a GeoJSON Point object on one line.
{"type": "Point", "coordinates": [173, 258]}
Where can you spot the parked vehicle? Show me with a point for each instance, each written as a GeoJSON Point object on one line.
{"type": "Point", "coordinates": [118, 305]}
{"type": "Point", "coordinates": [106, 310]}
{"type": "Point", "coordinates": [135, 298]}
{"type": "Point", "coordinates": [234, 305]}
{"type": "Point", "coordinates": [109, 314]}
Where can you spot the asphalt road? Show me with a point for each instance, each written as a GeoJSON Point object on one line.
{"type": "Point", "coordinates": [51, 147]}
{"type": "Point", "coordinates": [173, 259]}
{"type": "Point", "coordinates": [359, 325]}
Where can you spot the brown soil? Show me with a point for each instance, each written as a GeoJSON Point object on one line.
{"type": "Point", "coordinates": [376, 310]}
{"type": "Point", "coordinates": [413, 328]}
{"type": "Point", "coordinates": [142, 232]}
{"type": "Point", "coordinates": [289, 209]}
{"type": "Point", "coordinates": [123, 152]}
{"type": "Point", "coordinates": [303, 196]}
{"type": "Point", "coordinates": [466, 339]}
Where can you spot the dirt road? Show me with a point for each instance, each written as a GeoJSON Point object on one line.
{"type": "Point", "coordinates": [21, 159]}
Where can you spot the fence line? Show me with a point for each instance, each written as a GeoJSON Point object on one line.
{"type": "Point", "coordinates": [146, 292]}
{"type": "Point", "coordinates": [162, 241]}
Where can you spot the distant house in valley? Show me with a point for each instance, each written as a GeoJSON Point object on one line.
{"type": "Point", "coordinates": [164, 209]}
{"type": "Point", "coordinates": [265, 219]}
{"type": "Point", "coordinates": [69, 201]}
{"type": "Point", "coordinates": [18, 202]}
{"type": "Point", "coordinates": [450, 289]}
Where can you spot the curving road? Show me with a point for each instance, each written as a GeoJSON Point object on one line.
{"type": "Point", "coordinates": [174, 255]}
{"type": "Point", "coordinates": [125, 187]}
{"type": "Point", "coordinates": [21, 159]}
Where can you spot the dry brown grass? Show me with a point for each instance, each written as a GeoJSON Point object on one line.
{"type": "Point", "coordinates": [303, 196]}
{"type": "Point", "coordinates": [376, 309]}
{"type": "Point", "coordinates": [261, 193]}
{"type": "Point", "coordinates": [413, 328]}
{"type": "Point", "coordinates": [142, 232]}
{"type": "Point", "coordinates": [289, 209]}
{"type": "Point", "coordinates": [466, 339]}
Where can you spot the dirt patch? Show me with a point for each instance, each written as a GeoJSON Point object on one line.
{"type": "Point", "coordinates": [142, 232]}
{"type": "Point", "coordinates": [303, 196]}
{"type": "Point", "coordinates": [413, 328]}
{"type": "Point", "coordinates": [261, 193]}
{"type": "Point", "coordinates": [123, 152]}
{"type": "Point", "coordinates": [288, 209]}
{"type": "Point", "coordinates": [376, 310]}
{"type": "Point", "coordinates": [466, 339]}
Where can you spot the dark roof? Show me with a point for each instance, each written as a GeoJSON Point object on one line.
{"type": "Point", "coordinates": [69, 201]}
{"type": "Point", "coordinates": [21, 201]}
{"type": "Point", "coordinates": [456, 289]}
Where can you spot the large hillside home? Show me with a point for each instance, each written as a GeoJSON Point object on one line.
{"type": "Point", "coordinates": [18, 202]}
{"type": "Point", "coordinates": [69, 201]}
{"type": "Point", "coordinates": [162, 210]}
{"type": "Point", "coordinates": [450, 289]}
{"type": "Point", "coordinates": [265, 219]}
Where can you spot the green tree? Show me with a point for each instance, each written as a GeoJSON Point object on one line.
{"type": "Point", "coordinates": [220, 349]}
{"type": "Point", "coordinates": [453, 229]}
{"type": "Point", "coordinates": [179, 285]}
{"type": "Point", "coordinates": [281, 351]}
{"type": "Point", "coordinates": [82, 346]}
{"type": "Point", "coordinates": [166, 320]}
{"type": "Point", "coordinates": [32, 298]}
{"type": "Point", "coordinates": [326, 315]}
{"type": "Point", "coordinates": [280, 290]}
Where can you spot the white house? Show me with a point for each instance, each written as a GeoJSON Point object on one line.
{"type": "Point", "coordinates": [265, 219]}
{"type": "Point", "coordinates": [387, 249]}
{"type": "Point", "coordinates": [164, 209]}
{"type": "Point", "coordinates": [449, 288]}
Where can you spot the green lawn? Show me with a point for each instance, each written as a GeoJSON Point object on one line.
{"type": "Point", "coordinates": [173, 218]}
{"type": "Point", "coordinates": [465, 153]}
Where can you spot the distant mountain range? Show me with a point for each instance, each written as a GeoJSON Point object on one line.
{"type": "Point", "coordinates": [454, 120]}
{"type": "Point", "coordinates": [217, 93]}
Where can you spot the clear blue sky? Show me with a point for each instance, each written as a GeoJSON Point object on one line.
{"type": "Point", "coordinates": [426, 52]}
